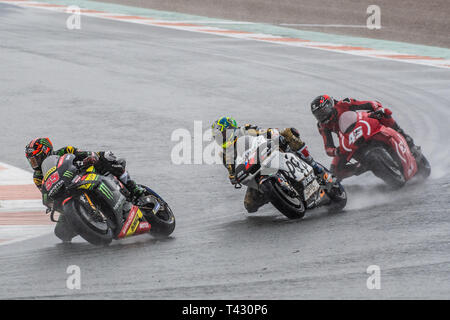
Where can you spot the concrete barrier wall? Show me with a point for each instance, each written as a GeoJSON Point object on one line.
{"type": "Point", "coordinates": [414, 21]}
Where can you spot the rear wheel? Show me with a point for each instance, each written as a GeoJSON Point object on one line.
{"type": "Point", "coordinates": [423, 167]}
{"type": "Point", "coordinates": [91, 225]}
{"type": "Point", "coordinates": [291, 207]}
{"type": "Point", "coordinates": [381, 163]}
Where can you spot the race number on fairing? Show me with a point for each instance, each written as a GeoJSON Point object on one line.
{"type": "Point", "coordinates": [50, 181]}
{"type": "Point", "coordinates": [355, 135]}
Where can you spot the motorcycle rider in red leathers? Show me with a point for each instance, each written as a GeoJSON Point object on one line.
{"type": "Point", "coordinates": [327, 112]}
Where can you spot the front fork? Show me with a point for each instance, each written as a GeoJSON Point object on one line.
{"type": "Point", "coordinates": [330, 185]}
{"type": "Point", "coordinates": [327, 180]}
{"type": "Point", "coordinates": [282, 182]}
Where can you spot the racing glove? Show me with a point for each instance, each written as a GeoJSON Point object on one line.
{"type": "Point", "coordinates": [381, 113]}
{"type": "Point", "coordinates": [248, 126]}
{"type": "Point", "coordinates": [233, 180]}
{"type": "Point", "coordinates": [231, 175]}
{"type": "Point", "coordinates": [333, 152]}
{"type": "Point", "coordinates": [252, 130]}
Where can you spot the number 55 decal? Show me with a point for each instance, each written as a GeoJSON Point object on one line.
{"type": "Point", "coordinates": [50, 181]}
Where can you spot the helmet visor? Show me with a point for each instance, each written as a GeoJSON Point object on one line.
{"type": "Point", "coordinates": [33, 162]}
{"type": "Point", "coordinates": [225, 138]}
{"type": "Point", "coordinates": [324, 113]}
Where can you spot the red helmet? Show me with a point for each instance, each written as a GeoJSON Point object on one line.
{"type": "Point", "coordinates": [37, 150]}
{"type": "Point", "coordinates": [322, 107]}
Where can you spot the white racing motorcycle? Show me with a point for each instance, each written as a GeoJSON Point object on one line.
{"type": "Point", "coordinates": [287, 181]}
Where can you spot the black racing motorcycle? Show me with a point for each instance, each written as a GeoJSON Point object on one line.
{"type": "Point", "coordinates": [98, 206]}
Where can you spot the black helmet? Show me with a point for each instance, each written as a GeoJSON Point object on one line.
{"type": "Point", "coordinates": [322, 107]}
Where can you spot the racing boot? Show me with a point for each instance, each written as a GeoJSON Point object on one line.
{"type": "Point", "coordinates": [317, 167]}
{"type": "Point", "coordinates": [254, 200]}
{"type": "Point", "coordinates": [63, 230]}
{"type": "Point", "coordinates": [415, 150]}
{"type": "Point", "coordinates": [136, 191]}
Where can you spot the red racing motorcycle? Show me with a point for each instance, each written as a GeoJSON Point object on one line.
{"type": "Point", "coordinates": [379, 149]}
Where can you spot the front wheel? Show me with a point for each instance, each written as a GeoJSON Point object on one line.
{"type": "Point", "coordinates": [291, 207]}
{"type": "Point", "coordinates": [89, 224]}
{"type": "Point", "coordinates": [158, 213]}
{"type": "Point", "coordinates": [163, 222]}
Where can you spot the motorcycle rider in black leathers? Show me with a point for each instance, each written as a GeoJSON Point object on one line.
{"type": "Point", "coordinates": [104, 161]}
{"type": "Point", "coordinates": [226, 132]}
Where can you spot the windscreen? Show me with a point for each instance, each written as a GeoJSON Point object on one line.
{"type": "Point", "coordinates": [346, 120]}
{"type": "Point", "coordinates": [49, 163]}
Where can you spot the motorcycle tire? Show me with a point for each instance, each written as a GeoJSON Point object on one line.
{"type": "Point", "coordinates": [423, 167]}
{"type": "Point", "coordinates": [79, 217]}
{"type": "Point", "coordinates": [293, 208]}
{"type": "Point", "coordinates": [163, 222]}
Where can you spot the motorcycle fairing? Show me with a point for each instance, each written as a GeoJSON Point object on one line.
{"type": "Point", "coordinates": [365, 129]}
{"type": "Point", "coordinates": [270, 162]}
{"type": "Point", "coordinates": [134, 224]}
{"type": "Point", "coordinates": [399, 144]}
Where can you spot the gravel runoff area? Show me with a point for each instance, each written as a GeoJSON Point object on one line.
{"type": "Point", "coordinates": [419, 22]}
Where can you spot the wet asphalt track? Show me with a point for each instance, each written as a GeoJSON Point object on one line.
{"type": "Point", "coordinates": [126, 87]}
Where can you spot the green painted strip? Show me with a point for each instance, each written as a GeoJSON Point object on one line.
{"type": "Point", "coordinates": [399, 47]}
